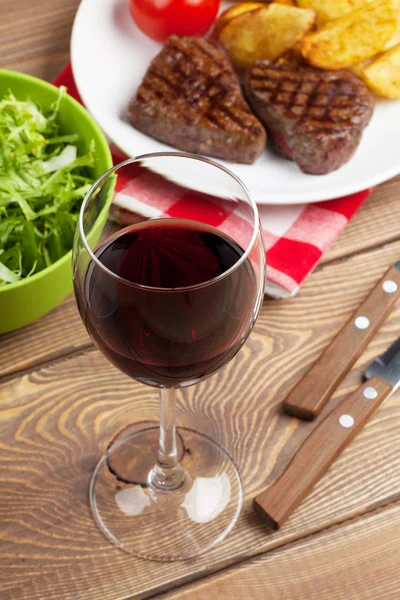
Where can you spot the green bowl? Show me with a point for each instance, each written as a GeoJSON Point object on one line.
{"type": "Point", "coordinates": [27, 300]}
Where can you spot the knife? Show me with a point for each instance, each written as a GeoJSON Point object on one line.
{"type": "Point", "coordinates": [310, 395]}
{"type": "Point", "coordinates": [329, 438]}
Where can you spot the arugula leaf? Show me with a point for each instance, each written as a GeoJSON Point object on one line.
{"type": "Point", "coordinates": [43, 181]}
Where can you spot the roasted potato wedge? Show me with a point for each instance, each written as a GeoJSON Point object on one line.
{"type": "Point", "coordinates": [242, 7]}
{"type": "Point", "coordinates": [352, 38]}
{"type": "Point", "coordinates": [395, 39]}
{"type": "Point", "coordinates": [265, 33]}
{"type": "Point", "coordinates": [234, 11]}
{"type": "Point", "coordinates": [382, 75]}
{"type": "Point", "coordinates": [331, 9]}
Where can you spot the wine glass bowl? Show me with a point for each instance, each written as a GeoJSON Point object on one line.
{"type": "Point", "coordinates": [169, 301]}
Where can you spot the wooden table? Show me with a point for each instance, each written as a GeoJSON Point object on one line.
{"type": "Point", "coordinates": [61, 403]}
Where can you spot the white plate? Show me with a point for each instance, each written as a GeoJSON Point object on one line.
{"type": "Point", "coordinates": [109, 58]}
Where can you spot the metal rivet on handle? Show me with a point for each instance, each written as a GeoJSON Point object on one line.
{"type": "Point", "coordinates": [361, 323]}
{"type": "Point", "coordinates": [346, 421]}
{"type": "Point", "coordinates": [389, 286]}
{"type": "Point", "coordinates": [370, 393]}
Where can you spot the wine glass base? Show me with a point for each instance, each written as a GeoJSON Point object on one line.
{"type": "Point", "coordinates": [163, 525]}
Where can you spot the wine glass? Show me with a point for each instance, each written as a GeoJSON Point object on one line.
{"type": "Point", "coordinates": [169, 301]}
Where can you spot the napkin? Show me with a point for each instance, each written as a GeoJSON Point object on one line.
{"type": "Point", "coordinates": [295, 236]}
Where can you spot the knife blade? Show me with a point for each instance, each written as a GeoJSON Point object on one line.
{"type": "Point", "coordinates": [311, 394]}
{"type": "Point", "coordinates": [329, 439]}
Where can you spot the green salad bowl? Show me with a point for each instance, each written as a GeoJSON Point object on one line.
{"type": "Point", "coordinates": [27, 300]}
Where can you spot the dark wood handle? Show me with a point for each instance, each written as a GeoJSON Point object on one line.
{"type": "Point", "coordinates": [310, 395]}
{"type": "Point", "coordinates": [319, 451]}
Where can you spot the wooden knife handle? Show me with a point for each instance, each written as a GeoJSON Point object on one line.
{"type": "Point", "coordinates": [310, 395]}
{"type": "Point", "coordinates": [319, 451]}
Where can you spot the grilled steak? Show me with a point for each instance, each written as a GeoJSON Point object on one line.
{"type": "Point", "coordinates": [191, 98]}
{"type": "Point", "coordinates": [315, 117]}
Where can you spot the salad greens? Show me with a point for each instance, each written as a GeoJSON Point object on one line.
{"type": "Point", "coordinates": [42, 185]}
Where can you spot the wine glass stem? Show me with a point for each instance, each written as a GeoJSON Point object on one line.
{"type": "Point", "coordinates": [167, 474]}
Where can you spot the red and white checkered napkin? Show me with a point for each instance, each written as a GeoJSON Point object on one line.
{"type": "Point", "coordinates": [295, 236]}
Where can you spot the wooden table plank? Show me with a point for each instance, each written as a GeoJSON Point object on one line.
{"type": "Point", "coordinates": [58, 333]}
{"type": "Point", "coordinates": [358, 561]}
{"type": "Point", "coordinates": [35, 37]}
{"type": "Point", "coordinates": [55, 422]}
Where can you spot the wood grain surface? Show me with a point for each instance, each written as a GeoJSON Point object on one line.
{"type": "Point", "coordinates": [356, 562]}
{"type": "Point", "coordinates": [58, 333]}
{"type": "Point", "coordinates": [57, 420]}
{"type": "Point", "coordinates": [35, 36]}
{"type": "Point", "coordinates": [61, 403]}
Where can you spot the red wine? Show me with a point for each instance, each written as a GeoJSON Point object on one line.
{"type": "Point", "coordinates": [168, 333]}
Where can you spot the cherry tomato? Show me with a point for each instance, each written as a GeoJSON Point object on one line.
{"type": "Point", "coordinates": [161, 18]}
